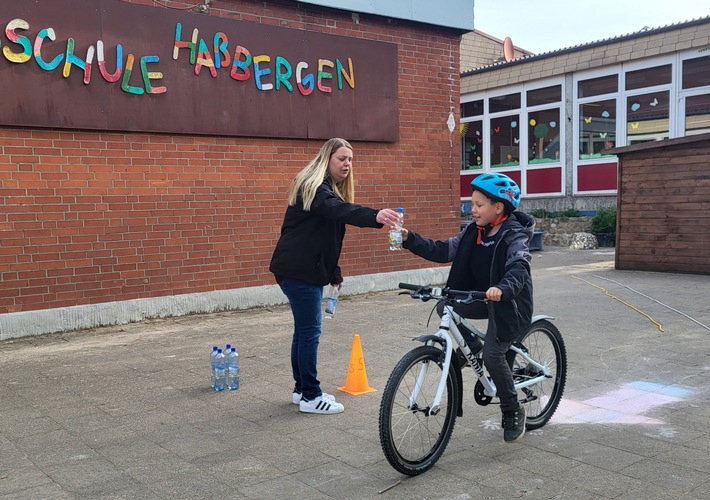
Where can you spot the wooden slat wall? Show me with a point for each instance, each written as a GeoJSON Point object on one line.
{"type": "Point", "coordinates": [663, 218]}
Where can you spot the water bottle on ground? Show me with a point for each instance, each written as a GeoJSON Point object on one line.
{"type": "Point", "coordinates": [331, 301]}
{"type": "Point", "coordinates": [220, 371]}
{"type": "Point", "coordinates": [233, 381]}
{"type": "Point", "coordinates": [213, 371]}
{"type": "Point", "coordinates": [396, 233]}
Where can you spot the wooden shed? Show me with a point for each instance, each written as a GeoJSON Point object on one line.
{"type": "Point", "coordinates": [663, 206]}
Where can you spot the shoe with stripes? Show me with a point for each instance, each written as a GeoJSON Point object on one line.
{"type": "Point", "coordinates": [296, 397]}
{"type": "Point", "coordinates": [324, 404]}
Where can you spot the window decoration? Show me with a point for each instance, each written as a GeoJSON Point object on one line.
{"type": "Point", "coordinates": [597, 128]}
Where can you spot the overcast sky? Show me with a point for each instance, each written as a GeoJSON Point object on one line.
{"type": "Point", "coordinates": [545, 25]}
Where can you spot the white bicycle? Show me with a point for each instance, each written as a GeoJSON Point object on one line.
{"type": "Point", "coordinates": [424, 393]}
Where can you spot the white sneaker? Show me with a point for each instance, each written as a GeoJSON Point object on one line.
{"type": "Point", "coordinates": [322, 405]}
{"type": "Point", "coordinates": [296, 397]}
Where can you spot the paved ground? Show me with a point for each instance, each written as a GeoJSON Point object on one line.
{"type": "Point", "coordinates": [126, 412]}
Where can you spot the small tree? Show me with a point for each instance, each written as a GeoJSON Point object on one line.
{"type": "Point", "coordinates": [604, 221]}
{"type": "Point", "coordinates": [604, 226]}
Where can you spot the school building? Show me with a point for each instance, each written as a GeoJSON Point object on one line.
{"type": "Point", "coordinates": [146, 147]}
{"type": "Point", "coordinates": [546, 120]}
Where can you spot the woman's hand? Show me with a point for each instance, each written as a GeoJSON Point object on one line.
{"type": "Point", "coordinates": [387, 217]}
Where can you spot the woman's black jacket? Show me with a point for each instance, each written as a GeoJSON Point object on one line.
{"type": "Point", "coordinates": [310, 243]}
{"type": "Point", "coordinates": [510, 318]}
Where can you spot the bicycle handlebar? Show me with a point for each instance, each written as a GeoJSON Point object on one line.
{"type": "Point", "coordinates": [425, 292]}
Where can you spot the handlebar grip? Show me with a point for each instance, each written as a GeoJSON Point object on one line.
{"type": "Point", "coordinates": [407, 286]}
{"type": "Point", "coordinates": [478, 295]}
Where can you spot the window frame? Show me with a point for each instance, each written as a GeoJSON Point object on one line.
{"type": "Point", "coordinates": [577, 102]}
{"type": "Point", "coordinates": [523, 119]}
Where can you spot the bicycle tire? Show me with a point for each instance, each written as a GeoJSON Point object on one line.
{"type": "Point", "coordinates": [411, 440]}
{"type": "Point", "coordinates": [545, 345]}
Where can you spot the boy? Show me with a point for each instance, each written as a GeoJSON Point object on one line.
{"type": "Point", "coordinates": [492, 255]}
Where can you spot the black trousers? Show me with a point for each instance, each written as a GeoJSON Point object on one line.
{"type": "Point", "coordinates": [497, 356]}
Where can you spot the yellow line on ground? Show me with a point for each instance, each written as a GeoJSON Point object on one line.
{"type": "Point", "coordinates": [606, 292]}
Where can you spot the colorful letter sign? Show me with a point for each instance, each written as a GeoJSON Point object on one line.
{"type": "Point", "coordinates": [110, 65]}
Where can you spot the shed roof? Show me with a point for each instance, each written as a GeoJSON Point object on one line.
{"type": "Point", "coordinates": [657, 144]}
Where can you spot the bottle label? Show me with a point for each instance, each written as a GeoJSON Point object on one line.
{"type": "Point", "coordinates": [395, 239]}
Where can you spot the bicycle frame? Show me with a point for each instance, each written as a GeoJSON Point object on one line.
{"type": "Point", "coordinates": [448, 333]}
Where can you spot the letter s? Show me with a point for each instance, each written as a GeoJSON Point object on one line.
{"type": "Point", "coordinates": [16, 57]}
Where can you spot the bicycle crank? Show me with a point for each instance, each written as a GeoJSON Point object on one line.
{"type": "Point", "coordinates": [480, 396]}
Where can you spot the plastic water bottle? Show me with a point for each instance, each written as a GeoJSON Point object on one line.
{"type": "Point", "coordinates": [331, 301]}
{"type": "Point", "coordinates": [396, 233]}
{"type": "Point", "coordinates": [219, 371]}
{"type": "Point", "coordinates": [213, 371]}
{"type": "Point", "coordinates": [233, 370]}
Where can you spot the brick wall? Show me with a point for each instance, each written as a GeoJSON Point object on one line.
{"type": "Point", "coordinates": [89, 217]}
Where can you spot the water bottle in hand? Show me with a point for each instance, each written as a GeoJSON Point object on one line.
{"type": "Point", "coordinates": [331, 301]}
{"type": "Point", "coordinates": [396, 233]}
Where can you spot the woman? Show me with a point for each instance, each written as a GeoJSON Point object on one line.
{"type": "Point", "coordinates": [320, 204]}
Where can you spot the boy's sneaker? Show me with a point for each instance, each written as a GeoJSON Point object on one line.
{"type": "Point", "coordinates": [296, 397]}
{"type": "Point", "coordinates": [322, 404]}
{"type": "Point", "coordinates": [513, 424]}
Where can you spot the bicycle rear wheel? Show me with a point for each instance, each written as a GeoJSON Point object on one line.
{"type": "Point", "coordinates": [543, 343]}
{"type": "Point", "coordinates": [412, 436]}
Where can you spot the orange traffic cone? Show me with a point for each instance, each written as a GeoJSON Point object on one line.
{"type": "Point", "coordinates": [356, 382]}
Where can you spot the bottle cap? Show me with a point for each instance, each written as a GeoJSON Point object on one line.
{"type": "Point", "coordinates": [400, 209]}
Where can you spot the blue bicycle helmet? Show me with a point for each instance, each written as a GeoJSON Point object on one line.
{"type": "Point", "coordinates": [500, 187]}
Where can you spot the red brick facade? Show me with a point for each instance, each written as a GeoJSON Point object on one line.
{"type": "Point", "coordinates": [89, 217]}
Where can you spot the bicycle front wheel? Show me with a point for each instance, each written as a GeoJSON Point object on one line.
{"type": "Point", "coordinates": [413, 435]}
{"type": "Point", "coordinates": [543, 343]}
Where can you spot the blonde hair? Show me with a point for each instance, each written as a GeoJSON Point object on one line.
{"type": "Point", "coordinates": [307, 181]}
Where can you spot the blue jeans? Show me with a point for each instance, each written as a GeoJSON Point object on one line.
{"type": "Point", "coordinates": [305, 303]}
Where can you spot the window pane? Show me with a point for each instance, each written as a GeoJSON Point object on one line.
{"type": "Point", "coordinates": [647, 117]}
{"type": "Point", "coordinates": [504, 103]}
{"type": "Point", "coordinates": [505, 136]}
{"type": "Point", "coordinates": [597, 128]}
{"type": "Point", "coordinates": [598, 86]}
{"type": "Point", "coordinates": [696, 72]}
{"type": "Point", "coordinates": [548, 95]}
{"type": "Point", "coordinates": [697, 114]}
{"type": "Point", "coordinates": [472, 145]}
{"type": "Point", "coordinates": [473, 108]}
{"type": "Point", "coordinates": [649, 77]}
{"type": "Point", "coordinates": [544, 136]}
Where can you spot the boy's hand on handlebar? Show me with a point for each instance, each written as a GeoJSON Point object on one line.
{"type": "Point", "coordinates": [494, 293]}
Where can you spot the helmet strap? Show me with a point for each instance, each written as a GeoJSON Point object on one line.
{"type": "Point", "coordinates": [483, 229]}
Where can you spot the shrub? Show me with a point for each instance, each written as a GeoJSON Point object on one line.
{"type": "Point", "coordinates": [539, 213]}
{"type": "Point", "coordinates": [604, 221]}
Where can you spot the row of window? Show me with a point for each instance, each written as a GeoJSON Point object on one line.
{"type": "Point", "coordinates": [524, 129]}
